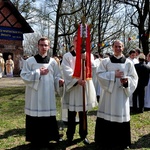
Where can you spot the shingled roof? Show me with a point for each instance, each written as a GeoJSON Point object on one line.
{"type": "Point", "coordinates": [25, 26]}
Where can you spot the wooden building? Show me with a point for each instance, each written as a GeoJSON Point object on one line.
{"type": "Point", "coordinates": [12, 28]}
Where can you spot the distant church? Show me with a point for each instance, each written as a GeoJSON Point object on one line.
{"type": "Point", "coordinates": [12, 28]}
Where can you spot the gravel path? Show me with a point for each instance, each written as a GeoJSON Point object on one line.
{"type": "Point", "coordinates": [11, 82]}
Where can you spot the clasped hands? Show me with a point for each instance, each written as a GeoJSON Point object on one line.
{"type": "Point", "coordinates": [120, 74]}
{"type": "Point", "coordinates": [45, 71]}
{"type": "Point", "coordinates": [81, 82]}
{"type": "Point", "coordinates": [61, 82]}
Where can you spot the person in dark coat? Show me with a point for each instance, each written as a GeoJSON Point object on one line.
{"type": "Point", "coordinates": [143, 73]}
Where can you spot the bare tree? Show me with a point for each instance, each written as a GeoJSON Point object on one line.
{"type": "Point", "coordinates": [68, 20]}
{"type": "Point", "coordinates": [140, 18]}
{"type": "Point", "coordinates": [26, 7]}
{"type": "Point", "coordinates": [107, 18]}
{"type": "Point", "coordinates": [66, 17]}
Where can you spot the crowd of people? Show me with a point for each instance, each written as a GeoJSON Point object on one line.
{"type": "Point", "coordinates": [7, 66]}
{"type": "Point", "coordinates": [118, 84]}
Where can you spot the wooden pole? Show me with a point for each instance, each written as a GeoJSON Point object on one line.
{"type": "Point", "coordinates": [83, 75]}
{"type": "Point", "coordinates": [83, 95]}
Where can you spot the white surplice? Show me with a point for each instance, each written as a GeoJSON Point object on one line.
{"type": "Point", "coordinates": [114, 100]}
{"type": "Point", "coordinates": [40, 89]}
{"type": "Point", "coordinates": [94, 77]}
{"type": "Point", "coordinates": [72, 98]}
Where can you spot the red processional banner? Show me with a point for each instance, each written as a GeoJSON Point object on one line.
{"type": "Point", "coordinates": [77, 70]}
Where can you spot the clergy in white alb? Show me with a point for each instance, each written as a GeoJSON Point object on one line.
{"type": "Point", "coordinates": [73, 96]}
{"type": "Point", "coordinates": [42, 78]}
{"type": "Point", "coordinates": [118, 79]}
{"type": "Point", "coordinates": [73, 93]}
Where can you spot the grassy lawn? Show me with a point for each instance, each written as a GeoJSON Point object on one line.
{"type": "Point", "coordinates": [12, 125]}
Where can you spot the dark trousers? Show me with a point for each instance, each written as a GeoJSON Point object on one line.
{"type": "Point", "coordinates": [72, 125]}
{"type": "Point", "coordinates": [138, 96]}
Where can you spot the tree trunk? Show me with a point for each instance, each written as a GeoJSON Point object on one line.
{"type": "Point", "coordinates": [56, 28]}
{"type": "Point", "coordinates": [144, 42]}
{"type": "Point", "coordinates": [99, 27]}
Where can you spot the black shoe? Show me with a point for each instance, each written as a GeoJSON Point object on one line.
{"type": "Point", "coordinates": [60, 139]}
{"type": "Point", "coordinates": [86, 141]}
{"type": "Point", "coordinates": [122, 148]}
{"type": "Point", "coordinates": [68, 142]}
{"type": "Point", "coordinates": [141, 110]}
{"type": "Point", "coordinates": [127, 147]}
{"type": "Point", "coordinates": [134, 110]}
{"type": "Point", "coordinates": [45, 148]}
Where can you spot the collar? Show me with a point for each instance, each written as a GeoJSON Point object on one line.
{"type": "Point", "coordinates": [73, 53]}
{"type": "Point", "coordinates": [118, 57]}
{"type": "Point", "coordinates": [44, 55]}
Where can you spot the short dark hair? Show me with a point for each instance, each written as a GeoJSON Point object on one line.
{"type": "Point", "coordinates": [71, 46]}
{"type": "Point", "coordinates": [43, 39]}
{"type": "Point", "coordinates": [138, 50]}
{"type": "Point", "coordinates": [131, 52]}
{"type": "Point", "coordinates": [117, 41]}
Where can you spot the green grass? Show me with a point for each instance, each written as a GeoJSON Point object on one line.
{"type": "Point", "coordinates": [12, 125]}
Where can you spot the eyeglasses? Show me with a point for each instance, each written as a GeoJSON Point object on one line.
{"type": "Point", "coordinates": [43, 45]}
